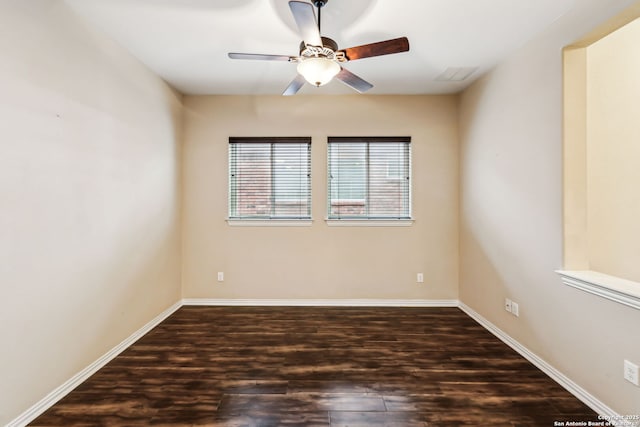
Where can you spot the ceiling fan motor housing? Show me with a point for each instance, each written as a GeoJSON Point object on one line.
{"type": "Point", "coordinates": [327, 50]}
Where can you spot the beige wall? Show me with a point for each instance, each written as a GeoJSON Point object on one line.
{"type": "Point", "coordinates": [574, 87]}
{"type": "Point", "coordinates": [321, 261]}
{"type": "Point", "coordinates": [89, 198]}
{"type": "Point", "coordinates": [613, 148]}
{"type": "Point", "coordinates": [511, 218]}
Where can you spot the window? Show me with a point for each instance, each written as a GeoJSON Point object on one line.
{"type": "Point", "coordinates": [369, 178]}
{"type": "Point", "coordinates": [269, 178]}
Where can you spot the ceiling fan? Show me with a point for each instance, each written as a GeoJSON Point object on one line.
{"type": "Point", "coordinates": [319, 59]}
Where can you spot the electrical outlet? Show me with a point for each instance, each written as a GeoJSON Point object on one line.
{"type": "Point", "coordinates": [515, 309]}
{"type": "Point", "coordinates": [220, 276]}
{"type": "Point", "coordinates": [507, 304]}
{"type": "Point", "coordinates": [631, 372]}
{"type": "Point", "coordinates": [420, 278]}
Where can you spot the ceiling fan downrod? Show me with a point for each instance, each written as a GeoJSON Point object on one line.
{"type": "Point", "coordinates": [319, 4]}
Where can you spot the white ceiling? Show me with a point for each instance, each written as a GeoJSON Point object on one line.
{"type": "Point", "coordinates": [186, 41]}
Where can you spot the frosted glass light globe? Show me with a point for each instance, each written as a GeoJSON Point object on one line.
{"type": "Point", "coordinates": [317, 70]}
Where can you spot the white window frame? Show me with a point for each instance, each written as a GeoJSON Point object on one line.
{"type": "Point", "coordinates": [271, 219]}
{"type": "Point", "coordinates": [366, 220]}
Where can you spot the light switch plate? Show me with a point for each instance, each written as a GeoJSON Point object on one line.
{"type": "Point", "coordinates": [631, 372]}
{"type": "Point", "coordinates": [515, 309]}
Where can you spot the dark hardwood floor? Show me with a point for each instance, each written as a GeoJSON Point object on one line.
{"type": "Point", "coordinates": [302, 366]}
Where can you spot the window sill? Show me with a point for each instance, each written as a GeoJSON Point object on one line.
{"type": "Point", "coordinates": [369, 222]}
{"type": "Point", "coordinates": [270, 222]}
{"type": "Point", "coordinates": [622, 291]}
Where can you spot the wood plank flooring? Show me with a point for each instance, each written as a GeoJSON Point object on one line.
{"type": "Point", "coordinates": [329, 366]}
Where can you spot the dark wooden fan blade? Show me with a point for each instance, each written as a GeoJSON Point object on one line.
{"type": "Point", "coordinates": [351, 80]}
{"type": "Point", "coordinates": [294, 86]}
{"type": "Point", "coordinates": [260, 57]}
{"type": "Point", "coordinates": [306, 21]}
{"type": "Point", "coordinates": [377, 49]}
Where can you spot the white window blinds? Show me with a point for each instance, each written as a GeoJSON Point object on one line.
{"type": "Point", "coordinates": [369, 178]}
{"type": "Point", "coordinates": [270, 178]}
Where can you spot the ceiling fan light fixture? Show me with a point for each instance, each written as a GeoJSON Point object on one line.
{"type": "Point", "coordinates": [319, 59]}
{"type": "Point", "coordinates": [318, 71]}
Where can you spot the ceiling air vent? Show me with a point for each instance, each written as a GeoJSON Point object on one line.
{"type": "Point", "coordinates": [456, 74]}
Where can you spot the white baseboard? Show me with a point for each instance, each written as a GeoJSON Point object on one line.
{"type": "Point", "coordinates": [49, 400]}
{"type": "Point", "coordinates": [573, 388]}
{"type": "Point", "coordinates": [322, 302]}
